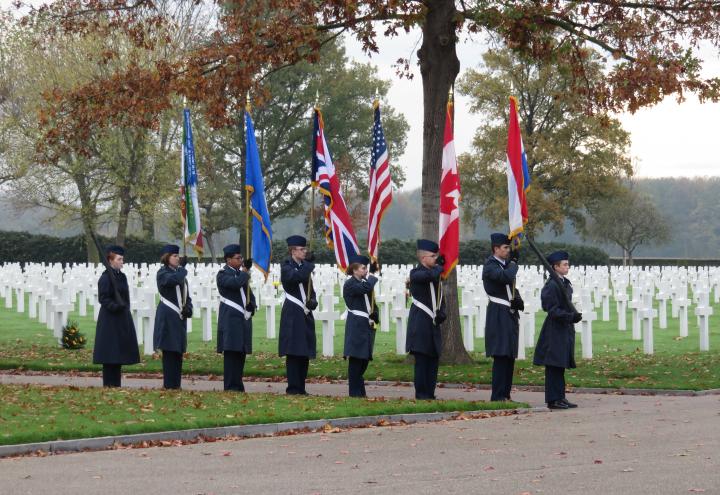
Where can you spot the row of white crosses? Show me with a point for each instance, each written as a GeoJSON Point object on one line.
{"type": "Point", "coordinates": [54, 291]}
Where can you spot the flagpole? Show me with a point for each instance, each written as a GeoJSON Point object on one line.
{"type": "Point", "coordinates": [248, 252]}
{"type": "Point", "coordinates": [182, 183]}
{"type": "Point", "coordinates": [184, 202]}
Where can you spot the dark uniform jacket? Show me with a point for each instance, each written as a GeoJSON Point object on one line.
{"type": "Point", "coordinates": [170, 329]}
{"type": "Point", "coordinates": [115, 337]}
{"type": "Point", "coordinates": [359, 335]}
{"type": "Point", "coordinates": [297, 330]}
{"type": "Point", "coordinates": [556, 344]}
{"type": "Point", "coordinates": [234, 331]}
{"type": "Point", "coordinates": [423, 336]}
{"type": "Point", "coordinates": [501, 323]}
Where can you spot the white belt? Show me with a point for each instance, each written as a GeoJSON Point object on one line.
{"type": "Point", "coordinates": [364, 314]}
{"type": "Point", "coordinates": [499, 300]}
{"type": "Point", "coordinates": [423, 308]}
{"type": "Point", "coordinates": [297, 301]}
{"type": "Point", "coordinates": [357, 312]}
{"type": "Point", "coordinates": [236, 306]}
{"type": "Point", "coordinates": [431, 313]}
{"type": "Point", "coordinates": [172, 306]}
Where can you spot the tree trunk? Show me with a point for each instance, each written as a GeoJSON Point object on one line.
{"type": "Point", "coordinates": [123, 215]}
{"type": "Point", "coordinates": [88, 216]}
{"type": "Point", "coordinates": [148, 225]}
{"type": "Point", "coordinates": [211, 248]}
{"type": "Point", "coordinates": [439, 67]}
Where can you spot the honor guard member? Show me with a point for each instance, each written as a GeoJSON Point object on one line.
{"type": "Point", "coordinates": [297, 325]}
{"type": "Point", "coordinates": [424, 340]}
{"type": "Point", "coordinates": [502, 327]}
{"type": "Point", "coordinates": [360, 322]}
{"type": "Point", "coordinates": [555, 347]}
{"type": "Point", "coordinates": [170, 335]}
{"type": "Point", "coordinates": [115, 337]}
{"type": "Point", "coordinates": [237, 307]}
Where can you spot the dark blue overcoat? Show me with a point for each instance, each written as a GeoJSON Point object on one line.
{"type": "Point", "coordinates": [501, 323]}
{"type": "Point", "coordinates": [297, 329]}
{"type": "Point", "coordinates": [359, 334]}
{"type": "Point", "coordinates": [556, 344]}
{"type": "Point", "coordinates": [423, 336]}
{"type": "Point", "coordinates": [115, 337]}
{"type": "Point", "coordinates": [234, 331]}
{"type": "Point", "coordinates": [170, 329]}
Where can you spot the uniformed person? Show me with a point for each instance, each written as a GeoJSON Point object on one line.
{"type": "Point", "coordinates": [424, 340]}
{"type": "Point", "coordinates": [237, 307]}
{"type": "Point", "coordinates": [115, 337]}
{"type": "Point", "coordinates": [555, 347]}
{"type": "Point", "coordinates": [297, 325]}
{"type": "Point", "coordinates": [502, 318]}
{"type": "Point", "coordinates": [175, 307]}
{"type": "Point", "coordinates": [360, 322]}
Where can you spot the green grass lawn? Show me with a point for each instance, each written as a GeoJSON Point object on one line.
{"type": "Point", "coordinates": [36, 414]}
{"type": "Point", "coordinates": [618, 360]}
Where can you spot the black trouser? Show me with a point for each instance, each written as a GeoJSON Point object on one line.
{"type": "Point", "coordinates": [172, 369]}
{"type": "Point", "coordinates": [297, 370]}
{"type": "Point", "coordinates": [112, 374]}
{"type": "Point", "coordinates": [426, 371]}
{"type": "Point", "coordinates": [554, 383]}
{"type": "Point", "coordinates": [502, 375]}
{"type": "Point", "coordinates": [234, 367]}
{"type": "Point", "coordinates": [356, 381]}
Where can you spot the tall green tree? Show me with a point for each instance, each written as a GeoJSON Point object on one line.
{"type": "Point", "coordinates": [628, 219]}
{"type": "Point", "coordinates": [283, 126]}
{"type": "Point", "coordinates": [575, 159]}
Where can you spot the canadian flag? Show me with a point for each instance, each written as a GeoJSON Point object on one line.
{"type": "Point", "coordinates": [449, 198]}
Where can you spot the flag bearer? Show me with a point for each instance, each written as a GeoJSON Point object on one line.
{"type": "Point", "coordinates": [237, 307]}
{"type": "Point", "coordinates": [424, 340]}
{"type": "Point", "coordinates": [175, 307]}
{"type": "Point", "coordinates": [115, 337]}
{"type": "Point", "coordinates": [502, 327]}
{"type": "Point", "coordinates": [359, 325]}
{"type": "Point", "coordinates": [297, 325]}
{"type": "Point", "coordinates": [556, 345]}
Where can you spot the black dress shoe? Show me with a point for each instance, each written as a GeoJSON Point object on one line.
{"type": "Point", "coordinates": [568, 403]}
{"type": "Point", "coordinates": [557, 404]}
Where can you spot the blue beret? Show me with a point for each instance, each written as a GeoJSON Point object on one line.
{"type": "Point", "coordinates": [357, 258]}
{"type": "Point", "coordinates": [558, 256]}
{"type": "Point", "coordinates": [170, 249]}
{"type": "Point", "coordinates": [115, 249]}
{"type": "Point", "coordinates": [498, 239]}
{"type": "Point", "coordinates": [426, 245]}
{"type": "Point", "coordinates": [296, 240]}
{"type": "Point", "coordinates": [232, 249]}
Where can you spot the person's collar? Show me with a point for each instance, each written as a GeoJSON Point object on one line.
{"type": "Point", "coordinates": [234, 269]}
{"type": "Point", "coordinates": [502, 261]}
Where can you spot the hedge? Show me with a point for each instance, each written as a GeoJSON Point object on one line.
{"type": "Point", "coordinates": [26, 247]}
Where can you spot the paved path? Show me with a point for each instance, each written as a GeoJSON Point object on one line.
{"type": "Point", "coordinates": [610, 444]}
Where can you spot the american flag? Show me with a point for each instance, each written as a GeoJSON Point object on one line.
{"type": "Point", "coordinates": [339, 232]}
{"type": "Point", "coordinates": [380, 184]}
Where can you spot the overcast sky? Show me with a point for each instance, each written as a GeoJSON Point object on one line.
{"type": "Point", "coordinates": [669, 139]}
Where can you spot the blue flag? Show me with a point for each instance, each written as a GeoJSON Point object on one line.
{"type": "Point", "coordinates": [261, 229]}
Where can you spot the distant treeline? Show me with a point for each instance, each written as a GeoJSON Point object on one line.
{"type": "Point", "coordinates": [25, 247]}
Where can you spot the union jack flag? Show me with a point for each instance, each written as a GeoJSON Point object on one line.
{"type": "Point", "coordinates": [339, 233]}
{"type": "Point", "coordinates": [380, 184]}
